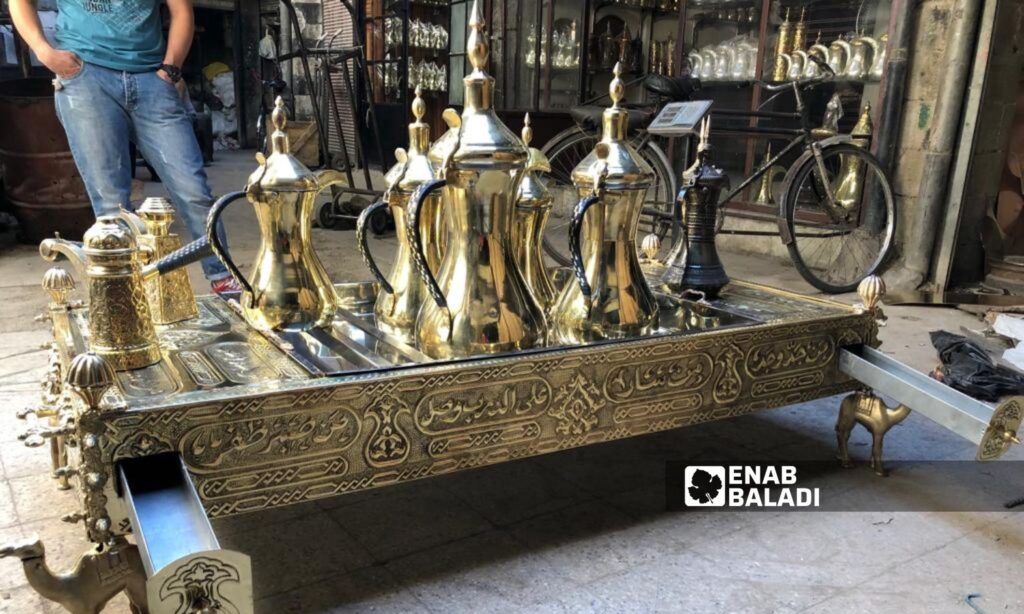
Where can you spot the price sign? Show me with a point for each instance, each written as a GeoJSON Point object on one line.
{"type": "Point", "coordinates": [679, 118]}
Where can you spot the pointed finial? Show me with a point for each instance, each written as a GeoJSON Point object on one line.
{"type": "Point", "coordinates": [419, 108]}
{"type": "Point", "coordinates": [616, 89]}
{"type": "Point", "coordinates": [787, 15]}
{"type": "Point", "coordinates": [279, 116]}
{"type": "Point", "coordinates": [476, 43]}
{"type": "Point", "coordinates": [527, 131]}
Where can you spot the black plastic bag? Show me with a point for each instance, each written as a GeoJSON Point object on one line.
{"type": "Point", "coordinates": [967, 367]}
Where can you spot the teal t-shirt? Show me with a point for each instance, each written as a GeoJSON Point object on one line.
{"type": "Point", "coordinates": [117, 34]}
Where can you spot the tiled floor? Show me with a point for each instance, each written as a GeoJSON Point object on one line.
{"type": "Point", "coordinates": [582, 530]}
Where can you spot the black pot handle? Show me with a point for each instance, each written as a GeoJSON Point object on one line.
{"type": "Point", "coordinates": [364, 249]}
{"type": "Point", "coordinates": [416, 243]}
{"type": "Point", "coordinates": [219, 249]}
{"type": "Point", "coordinates": [183, 256]}
{"type": "Point", "coordinates": [575, 229]}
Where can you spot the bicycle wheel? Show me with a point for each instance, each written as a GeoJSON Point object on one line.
{"type": "Point", "coordinates": [565, 151]}
{"type": "Point", "coordinates": [835, 246]}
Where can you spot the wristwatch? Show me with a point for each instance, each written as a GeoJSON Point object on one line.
{"type": "Point", "coordinates": [174, 72]}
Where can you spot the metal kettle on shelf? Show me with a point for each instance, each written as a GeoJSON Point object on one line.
{"type": "Point", "coordinates": [402, 293]}
{"type": "Point", "coordinates": [611, 298]}
{"type": "Point", "coordinates": [862, 53]}
{"type": "Point", "coordinates": [481, 304]}
{"type": "Point", "coordinates": [289, 287]}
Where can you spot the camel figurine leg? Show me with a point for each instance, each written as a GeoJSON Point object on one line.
{"type": "Point", "coordinates": [868, 410]}
{"type": "Point", "coordinates": [101, 573]}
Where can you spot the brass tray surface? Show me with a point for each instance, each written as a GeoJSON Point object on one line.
{"type": "Point", "coordinates": [257, 426]}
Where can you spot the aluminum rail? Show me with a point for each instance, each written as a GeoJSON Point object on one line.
{"type": "Point", "coordinates": [992, 428]}
{"type": "Point", "coordinates": [186, 569]}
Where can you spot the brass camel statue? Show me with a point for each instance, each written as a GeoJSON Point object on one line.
{"type": "Point", "coordinates": [870, 411]}
{"type": "Point", "coordinates": [101, 573]}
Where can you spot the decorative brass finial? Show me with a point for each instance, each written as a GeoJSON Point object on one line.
{"type": "Point", "coordinates": [871, 290]}
{"type": "Point", "coordinates": [863, 128]}
{"type": "Point", "coordinates": [476, 43]}
{"type": "Point", "coordinates": [786, 20]}
{"type": "Point", "coordinates": [527, 130]}
{"type": "Point", "coordinates": [58, 283]}
{"type": "Point", "coordinates": [650, 246]}
{"type": "Point", "coordinates": [279, 116]}
{"type": "Point", "coordinates": [616, 89]}
{"type": "Point", "coordinates": [90, 376]}
{"type": "Point", "coordinates": [419, 108]}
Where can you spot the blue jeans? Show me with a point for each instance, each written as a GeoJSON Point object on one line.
{"type": "Point", "coordinates": [101, 109]}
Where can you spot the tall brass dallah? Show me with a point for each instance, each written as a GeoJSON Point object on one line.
{"type": "Point", "coordinates": [404, 291]}
{"type": "Point", "coordinates": [611, 299]}
{"type": "Point", "coordinates": [289, 286]}
{"type": "Point", "coordinates": [783, 46]}
{"type": "Point", "coordinates": [851, 172]}
{"type": "Point", "coordinates": [120, 324]}
{"type": "Point", "coordinates": [481, 302]}
{"type": "Point", "coordinates": [170, 296]}
{"type": "Point", "coordinates": [533, 206]}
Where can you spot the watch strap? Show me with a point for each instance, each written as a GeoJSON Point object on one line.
{"type": "Point", "coordinates": [174, 72]}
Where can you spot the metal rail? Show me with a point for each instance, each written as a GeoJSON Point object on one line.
{"type": "Point", "coordinates": [990, 427]}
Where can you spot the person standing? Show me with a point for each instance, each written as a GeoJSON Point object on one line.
{"type": "Point", "coordinates": [118, 80]}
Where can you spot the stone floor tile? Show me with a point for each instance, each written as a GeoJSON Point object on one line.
{"type": "Point", "coordinates": [8, 515]}
{"type": "Point", "coordinates": [294, 553]}
{"type": "Point", "coordinates": [490, 572]}
{"type": "Point", "coordinates": [371, 589]}
{"type": "Point", "coordinates": [36, 497]}
{"type": "Point", "coordinates": [24, 600]}
{"type": "Point", "coordinates": [690, 582]}
{"type": "Point", "coordinates": [20, 461]}
{"type": "Point", "coordinates": [510, 492]}
{"type": "Point", "coordinates": [591, 540]}
{"type": "Point", "coordinates": [415, 519]}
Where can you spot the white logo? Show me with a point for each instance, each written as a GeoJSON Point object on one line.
{"type": "Point", "coordinates": [705, 486]}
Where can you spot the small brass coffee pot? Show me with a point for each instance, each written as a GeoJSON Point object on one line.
{"type": "Point", "coordinates": [403, 292]}
{"type": "Point", "coordinates": [481, 302]}
{"type": "Point", "coordinates": [533, 206]}
{"type": "Point", "coordinates": [611, 299]}
{"type": "Point", "coordinates": [694, 263]}
{"type": "Point", "coordinates": [120, 322]}
{"type": "Point", "coordinates": [171, 298]}
{"type": "Point", "coordinates": [289, 287]}
{"type": "Point", "coordinates": [862, 53]}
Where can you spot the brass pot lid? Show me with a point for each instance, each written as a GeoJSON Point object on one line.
{"type": "Point", "coordinates": [625, 168]}
{"type": "Point", "coordinates": [108, 236]}
{"type": "Point", "coordinates": [532, 191]}
{"type": "Point", "coordinates": [485, 143]}
{"type": "Point", "coordinates": [418, 169]}
{"type": "Point", "coordinates": [281, 171]}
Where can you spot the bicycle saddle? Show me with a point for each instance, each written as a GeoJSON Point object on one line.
{"type": "Point", "coordinates": [588, 118]}
{"type": "Point", "coordinates": [676, 89]}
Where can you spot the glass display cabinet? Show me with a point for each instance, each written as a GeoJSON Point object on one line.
{"type": "Point", "coordinates": [407, 44]}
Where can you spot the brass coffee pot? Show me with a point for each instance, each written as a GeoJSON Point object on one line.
{"type": "Point", "coordinates": [120, 323]}
{"type": "Point", "coordinates": [403, 292]}
{"type": "Point", "coordinates": [289, 286]}
{"type": "Point", "coordinates": [694, 263]}
{"type": "Point", "coordinates": [481, 302]}
{"type": "Point", "coordinates": [862, 52]}
{"type": "Point", "coordinates": [783, 46]}
{"type": "Point", "coordinates": [850, 183]}
{"type": "Point", "coordinates": [838, 56]}
{"type": "Point", "coordinates": [611, 299]}
{"type": "Point", "coordinates": [171, 298]}
{"type": "Point", "coordinates": [878, 64]}
{"type": "Point", "coordinates": [533, 206]}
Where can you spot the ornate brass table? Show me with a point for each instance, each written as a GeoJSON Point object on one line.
{"type": "Point", "coordinates": [234, 421]}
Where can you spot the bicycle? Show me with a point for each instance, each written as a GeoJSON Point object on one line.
{"type": "Point", "coordinates": [567, 148]}
{"type": "Point", "coordinates": [833, 243]}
